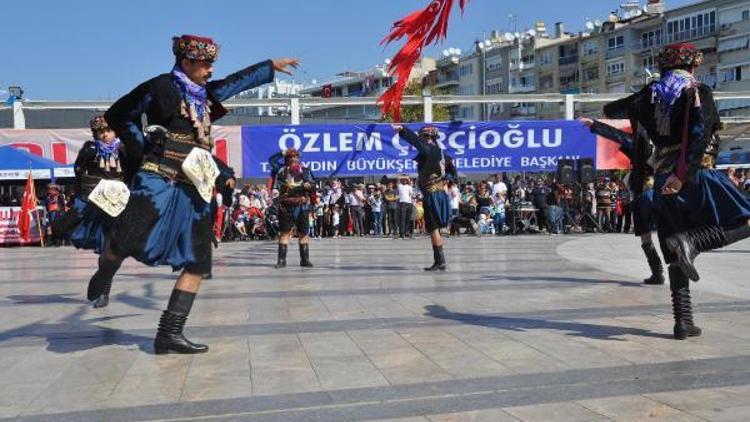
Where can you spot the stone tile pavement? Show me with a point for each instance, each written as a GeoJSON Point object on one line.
{"type": "Point", "coordinates": [533, 328]}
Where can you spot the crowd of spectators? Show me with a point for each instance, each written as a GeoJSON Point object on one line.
{"type": "Point", "coordinates": [535, 203]}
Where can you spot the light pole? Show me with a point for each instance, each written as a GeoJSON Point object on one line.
{"type": "Point", "coordinates": [482, 46]}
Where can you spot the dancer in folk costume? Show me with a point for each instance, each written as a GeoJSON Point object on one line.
{"type": "Point", "coordinates": [96, 203]}
{"type": "Point", "coordinates": [167, 220]}
{"type": "Point", "coordinates": [432, 168]}
{"type": "Point", "coordinates": [698, 208]}
{"type": "Point", "coordinates": [640, 182]}
{"type": "Point", "coordinates": [296, 186]}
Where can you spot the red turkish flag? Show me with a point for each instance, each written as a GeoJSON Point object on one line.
{"type": "Point", "coordinates": [28, 205]}
{"type": "Point", "coordinates": [327, 91]}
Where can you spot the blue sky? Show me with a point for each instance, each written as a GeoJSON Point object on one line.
{"type": "Point", "coordinates": [85, 49]}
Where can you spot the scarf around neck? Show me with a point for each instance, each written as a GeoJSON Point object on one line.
{"type": "Point", "coordinates": [665, 93]}
{"type": "Point", "coordinates": [194, 94]}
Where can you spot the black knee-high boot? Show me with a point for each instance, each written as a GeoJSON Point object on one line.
{"type": "Point", "coordinates": [682, 309]}
{"type": "Point", "coordinates": [281, 257]}
{"type": "Point", "coordinates": [689, 244]}
{"type": "Point", "coordinates": [101, 281]}
{"type": "Point", "coordinates": [438, 256]}
{"type": "Point", "coordinates": [654, 262]}
{"type": "Point", "coordinates": [304, 254]}
{"type": "Point", "coordinates": [103, 300]}
{"type": "Point", "coordinates": [169, 337]}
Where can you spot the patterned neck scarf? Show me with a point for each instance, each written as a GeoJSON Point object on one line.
{"type": "Point", "coordinates": [194, 94]}
{"type": "Point", "coordinates": [666, 92]}
{"type": "Point", "coordinates": [108, 156]}
{"type": "Point", "coordinates": [106, 150]}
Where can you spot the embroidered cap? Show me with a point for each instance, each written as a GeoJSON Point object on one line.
{"type": "Point", "coordinates": [679, 56]}
{"type": "Point", "coordinates": [429, 131]}
{"type": "Point", "coordinates": [290, 153]}
{"type": "Point", "coordinates": [193, 47]}
{"type": "Point", "coordinates": [98, 124]}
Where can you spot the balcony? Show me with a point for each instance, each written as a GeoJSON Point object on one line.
{"type": "Point", "coordinates": [445, 81]}
{"type": "Point", "coordinates": [526, 65]}
{"type": "Point", "coordinates": [691, 34]}
{"type": "Point", "coordinates": [521, 89]}
{"type": "Point", "coordinates": [735, 28]}
{"type": "Point", "coordinates": [649, 43]}
{"type": "Point", "coordinates": [562, 61]}
{"type": "Point", "coordinates": [496, 73]}
{"type": "Point", "coordinates": [615, 52]}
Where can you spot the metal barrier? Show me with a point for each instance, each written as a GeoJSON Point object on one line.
{"type": "Point", "coordinates": [296, 105]}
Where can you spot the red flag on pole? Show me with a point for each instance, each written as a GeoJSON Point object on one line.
{"type": "Point", "coordinates": [421, 28]}
{"type": "Point", "coordinates": [28, 205]}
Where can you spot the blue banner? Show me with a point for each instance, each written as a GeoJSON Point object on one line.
{"type": "Point", "coordinates": [374, 149]}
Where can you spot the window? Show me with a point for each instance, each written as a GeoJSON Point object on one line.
{"type": "Point", "coordinates": [745, 15]}
{"type": "Point", "coordinates": [737, 43]}
{"type": "Point", "coordinates": [651, 38]}
{"type": "Point", "coordinates": [615, 68]}
{"type": "Point", "coordinates": [494, 64]}
{"type": "Point", "coordinates": [466, 112]}
{"type": "Point", "coordinates": [466, 69]}
{"type": "Point", "coordinates": [614, 43]}
{"type": "Point", "coordinates": [590, 48]}
{"type": "Point", "coordinates": [545, 82]}
{"type": "Point", "coordinates": [733, 74]}
{"type": "Point", "coordinates": [466, 90]}
{"type": "Point", "coordinates": [691, 26]}
{"type": "Point", "coordinates": [649, 63]}
{"type": "Point", "coordinates": [545, 58]}
{"type": "Point", "coordinates": [591, 73]}
{"type": "Point", "coordinates": [495, 88]}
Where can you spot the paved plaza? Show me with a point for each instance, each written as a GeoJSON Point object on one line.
{"type": "Point", "coordinates": [530, 328]}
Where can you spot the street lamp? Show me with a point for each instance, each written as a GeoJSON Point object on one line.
{"type": "Point", "coordinates": [15, 92]}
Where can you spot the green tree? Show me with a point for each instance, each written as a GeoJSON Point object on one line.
{"type": "Point", "coordinates": [415, 113]}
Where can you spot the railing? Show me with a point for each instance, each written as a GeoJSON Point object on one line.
{"type": "Point", "coordinates": [296, 105]}
{"type": "Point", "coordinates": [568, 60]}
{"type": "Point", "coordinates": [690, 34]}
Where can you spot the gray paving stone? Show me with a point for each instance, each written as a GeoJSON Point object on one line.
{"type": "Point", "coordinates": [566, 411]}
{"type": "Point", "coordinates": [517, 325]}
{"type": "Point", "coordinates": [636, 408]}
{"type": "Point", "coordinates": [490, 415]}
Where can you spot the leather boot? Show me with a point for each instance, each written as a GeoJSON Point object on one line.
{"type": "Point", "coordinates": [682, 309]}
{"type": "Point", "coordinates": [304, 255]}
{"type": "Point", "coordinates": [169, 337]}
{"type": "Point", "coordinates": [103, 300]}
{"type": "Point", "coordinates": [654, 262]}
{"type": "Point", "coordinates": [281, 258]}
{"type": "Point", "coordinates": [439, 263]}
{"type": "Point", "coordinates": [687, 245]}
{"type": "Point", "coordinates": [101, 281]}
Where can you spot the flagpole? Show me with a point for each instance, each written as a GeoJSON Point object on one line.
{"type": "Point", "coordinates": [36, 209]}
{"type": "Point", "coordinates": [39, 224]}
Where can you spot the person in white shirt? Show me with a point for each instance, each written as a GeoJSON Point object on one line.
{"type": "Point", "coordinates": [356, 205]}
{"type": "Point", "coordinates": [499, 187]}
{"type": "Point", "coordinates": [405, 207]}
{"type": "Point", "coordinates": [455, 196]}
{"type": "Point", "coordinates": [335, 221]}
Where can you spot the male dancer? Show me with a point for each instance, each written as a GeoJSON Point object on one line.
{"type": "Point", "coordinates": [431, 171]}
{"type": "Point", "coordinates": [698, 208]}
{"type": "Point", "coordinates": [295, 184]}
{"type": "Point", "coordinates": [87, 224]}
{"type": "Point", "coordinates": [643, 194]}
{"type": "Point", "coordinates": [167, 220]}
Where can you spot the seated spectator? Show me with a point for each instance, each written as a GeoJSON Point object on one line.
{"type": "Point", "coordinates": [485, 224]}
